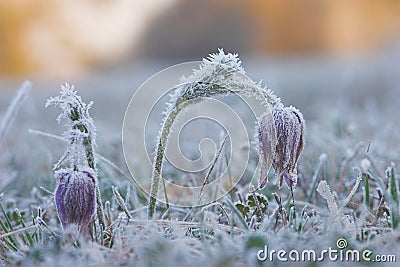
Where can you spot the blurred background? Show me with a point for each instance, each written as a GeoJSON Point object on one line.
{"type": "Point", "coordinates": [67, 39]}
{"type": "Point", "coordinates": [314, 47]}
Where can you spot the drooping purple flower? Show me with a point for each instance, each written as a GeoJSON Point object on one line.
{"type": "Point", "coordinates": [281, 140]}
{"type": "Point", "coordinates": [76, 198]}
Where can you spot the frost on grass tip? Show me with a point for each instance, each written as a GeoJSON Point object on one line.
{"type": "Point", "coordinates": [77, 189]}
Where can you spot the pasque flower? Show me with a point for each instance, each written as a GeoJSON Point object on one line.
{"type": "Point", "coordinates": [281, 140]}
{"type": "Point", "coordinates": [76, 198]}
{"type": "Point", "coordinates": [219, 74]}
{"type": "Point", "coordinates": [77, 195]}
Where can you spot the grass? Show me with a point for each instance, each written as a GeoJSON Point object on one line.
{"type": "Point", "coordinates": [218, 234]}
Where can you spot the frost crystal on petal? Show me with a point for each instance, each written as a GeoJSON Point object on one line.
{"type": "Point", "coordinates": [75, 198]}
{"type": "Point", "coordinates": [281, 140]}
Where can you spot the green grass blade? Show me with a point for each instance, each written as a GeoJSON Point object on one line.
{"type": "Point", "coordinates": [238, 213]}
{"type": "Point", "coordinates": [322, 159]}
{"type": "Point", "coordinates": [394, 189]}
{"type": "Point", "coordinates": [367, 198]}
{"type": "Point", "coordinates": [395, 219]}
{"type": "Point", "coordinates": [10, 242]}
{"type": "Point", "coordinates": [393, 186]}
{"type": "Point", "coordinates": [27, 234]}
{"type": "Point", "coordinates": [7, 218]}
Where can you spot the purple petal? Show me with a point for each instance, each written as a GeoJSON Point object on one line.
{"type": "Point", "coordinates": [75, 199]}
{"type": "Point", "coordinates": [281, 141]}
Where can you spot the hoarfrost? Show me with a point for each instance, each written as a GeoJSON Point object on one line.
{"type": "Point", "coordinates": [281, 141]}
{"type": "Point", "coordinates": [80, 126]}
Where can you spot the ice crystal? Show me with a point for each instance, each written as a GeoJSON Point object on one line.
{"type": "Point", "coordinates": [80, 127]}
{"type": "Point", "coordinates": [224, 72]}
{"type": "Point", "coordinates": [324, 190]}
{"type": "Point", "coordinates": [281, 140]}
{"type": "Point", "coordinates": [75, 197]}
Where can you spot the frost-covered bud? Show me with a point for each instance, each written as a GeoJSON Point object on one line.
{"type": "Point", "coordinates": [76, 198]}
{"type": "Point", "coordinates": [281, 140]}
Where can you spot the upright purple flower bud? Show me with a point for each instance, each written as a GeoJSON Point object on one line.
{"type": "Point", "coordinates": [281, 140]}
{"type": "Point", "coordinates": [76, 198]}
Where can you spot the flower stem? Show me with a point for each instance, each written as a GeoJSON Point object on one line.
{"type": "Point", "coordinates": [184, 100]}
{"type": "Point", "coordinates": [219, 74]}
{"type": "Point", "coordinates": [157, 167]}
{"type": "Point", "coordinates": [87, 143]}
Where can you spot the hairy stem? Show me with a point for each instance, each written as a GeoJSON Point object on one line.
{"type": "Point", "coordinates": [221, 79]}
{"type": "Point", "coordinates": [87, 143]}
{"type": "Point", "coordinates": [157, 166]}
{"type": "Point", "coordinates": [184, 100]}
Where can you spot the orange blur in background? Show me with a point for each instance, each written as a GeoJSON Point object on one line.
{"type": "Point", "coordinates": [63, 38]}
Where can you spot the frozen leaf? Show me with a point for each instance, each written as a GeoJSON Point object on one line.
{"type": "Point", "coordinates": [324, 190]}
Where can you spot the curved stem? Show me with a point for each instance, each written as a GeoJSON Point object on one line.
{"type": "Point", "coordinates": [184, 100]}
{"type": "Point", "coordinates": [157, 165]}
{"type": "Point", "coordinates": [196, 92]}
